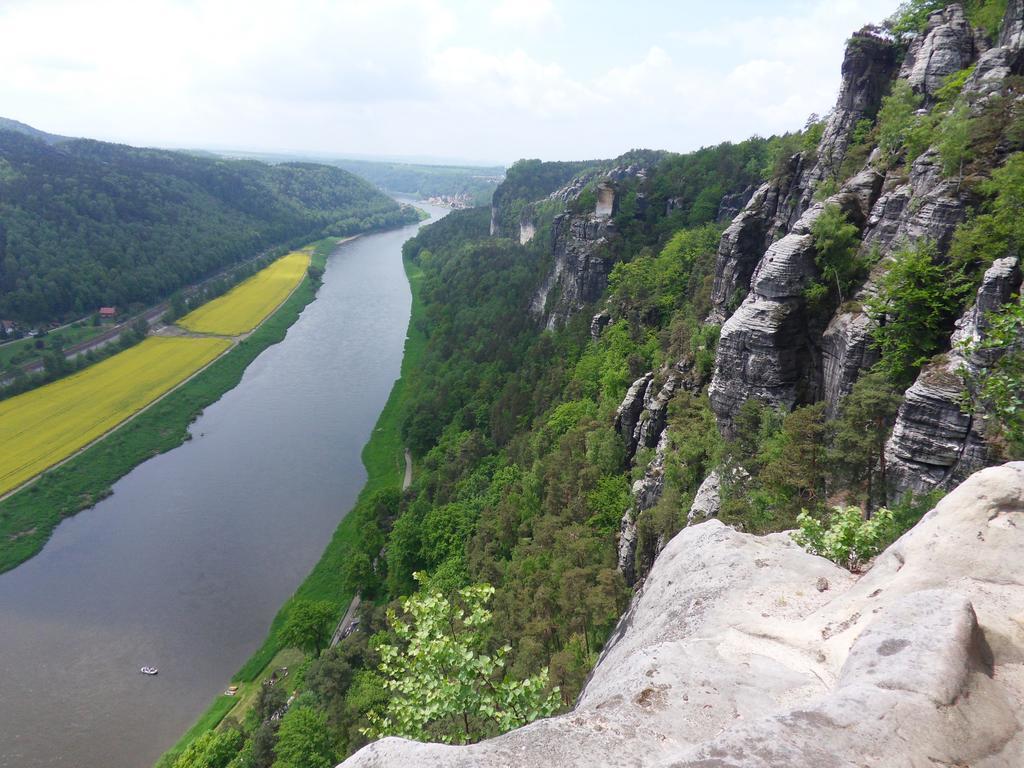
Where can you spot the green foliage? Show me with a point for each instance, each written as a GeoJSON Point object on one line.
{"type": "Point", "coordinates": [89, 224]}
{"type": "Point", "coordinates": [914, 308]}
{"type": "Point", "coordinates": [998, 230]}
{"type": "Point", "coordinates": [911, 18]}
{"type": "Point", "coordinates": [902, 133]}
{"type": "Point", "coordinates": [860, 431]}
{"type": "Point", "coordinates": [954, 140]}
{"type": "Point", "coordinates": [214, 749]}
{"type": "Point", "coordinates": [308, 625]}
{"type": "Point", "coordinates": [649, 289]}
{"type": "Point", "coordinates": [781, 149]}
{"type": "Point", "coordinates": [846, 537]}
{"type": "Point", "coordinates": [836, 241]}
{"type": "Point", "coordinates": [1000, 386]}
{"type": "Point", "coordinates": [303, 740]}
{"type": "Point", "coordinates": [444, 685]}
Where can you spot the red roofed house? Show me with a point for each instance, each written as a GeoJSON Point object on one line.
{"type": "Point", "coordinates": [107, 312]}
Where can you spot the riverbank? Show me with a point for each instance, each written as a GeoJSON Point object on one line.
{"type": "Point", "coordinates": [385, 462]}
{"type": "Point", "coordinates": [28, 516]}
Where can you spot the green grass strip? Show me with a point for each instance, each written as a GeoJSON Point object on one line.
{"type": "Point", "coordinates": [384, 459]}
{"type": "Point", "coordinates": [27, 518]}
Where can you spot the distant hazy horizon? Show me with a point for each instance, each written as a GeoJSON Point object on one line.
{"type": "Point", "coordinates": [435, 81]}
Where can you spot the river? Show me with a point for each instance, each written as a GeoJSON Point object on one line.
{"type": "Point", "coordinates": [186, 564]}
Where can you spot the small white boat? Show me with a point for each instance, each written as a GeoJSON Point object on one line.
{"type": "Point", "coordinates": [149, 670]}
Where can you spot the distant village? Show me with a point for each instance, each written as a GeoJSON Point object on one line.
{"type": "Point", "coordinates": [455, 202]}
{"type": "Point", "coordinates": [12, 329]}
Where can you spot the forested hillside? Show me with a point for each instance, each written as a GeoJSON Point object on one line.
{"type": "Point", "coordinates": [86, 223]}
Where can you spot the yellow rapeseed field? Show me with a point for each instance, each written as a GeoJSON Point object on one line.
{"type": "Point", "coordinates": [41, 428]}
{"type": "Point", "coordinates": [243, 307]}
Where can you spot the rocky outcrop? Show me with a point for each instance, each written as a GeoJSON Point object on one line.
{"type": "Point", "coordinates": [926, 207]}
{"type": "Point", "coordinates": [527, 226]}
{"type": "Point", "coordinates": [627, 415]}
{"type": "Point", "coordinates": [646, 494]}
{"type": "Point", "coordinates": [868, 67]}
{"type": "Point", "coordinates": [1005, 59]}
{"type": "Point", "coordinates": [747, 652]}
{"type": "Point", "coordinates": [767, 215]}
{"type": "Point", "coordinates": [598, 323]}
{"type": "Point", "coordinates": [708, 499]}
{"type": "Point", "coordinates": [581, 265]}
{"type": "Point", "coordinates": [766, 349]}
{"type": "Point", "coordinates": [730, 205]}
{"type": "Point", "coordinates": [643, 413]}
{"type": "Point", "coordinates": [935, 443]}
{"type": "Point", "coordinates": [947, 46]}
{"type": "Point", "coordinates": [580, 270]}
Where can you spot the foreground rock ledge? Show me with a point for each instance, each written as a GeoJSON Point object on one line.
{"type": "Point", "coordinates": [735, 654]}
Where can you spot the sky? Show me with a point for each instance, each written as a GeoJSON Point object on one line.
{"type": "Point", "coordinates": [470, 81]}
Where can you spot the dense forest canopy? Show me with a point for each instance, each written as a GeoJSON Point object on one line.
{"type": "Point", "coordinates": [87, 223]}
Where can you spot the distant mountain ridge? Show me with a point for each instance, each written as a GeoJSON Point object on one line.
{"type": "Point", "coordinates": [6, 124]}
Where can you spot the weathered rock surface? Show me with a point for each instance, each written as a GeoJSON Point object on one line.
{"type": "Point", "coordinates": [708, 499]}
{"type": "Point", "coordinates": [934, 443]}
{"type": "Point", "coordinates": [733, 656]}
{"type": "Point", "coordinates": [598, 323]}
{"type": "Point", "coordinates": [646, 493]}
{"type": "Point", "coordinates": [580, 271]}
{"type": "Point", "coordinates": [925, 207]}
{"type": "Point", "coordinates": [627, 415]}
{"type": "Point", "coordinates": [947, 46]}
{"type": "Point", "coordinates": [868, 66]}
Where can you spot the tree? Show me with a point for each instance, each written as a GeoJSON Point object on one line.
{"type": "Point", "coordinates": [444, 685]}
{"type": "Point", "coordinates": [902, 133]}
{"type": "Point", "coordinates": [214, 749]}
{"type": "Point", "coordinates": [308, 625]}
{"type": "Point", "coordinates": [794, 466]}
{"type": "Point", "coordinates": [917, 297]}
{"type": "Point", "coordinates": [303, 740]}
{"type": "Point", "coordinates": [954, 141]}
{"type": "Point", "coordinates": [835, 244]}
{"type": "Point", "coordinates": [862, 428]}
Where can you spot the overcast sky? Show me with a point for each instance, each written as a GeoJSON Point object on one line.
{"type": "Point", "coordinates": [471, 80]}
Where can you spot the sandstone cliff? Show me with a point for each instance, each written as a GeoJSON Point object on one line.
{"type": "Point", "coordinates": [745, 652]}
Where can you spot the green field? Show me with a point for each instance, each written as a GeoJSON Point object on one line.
{"type": "Point", "coordinates": [384, 459]}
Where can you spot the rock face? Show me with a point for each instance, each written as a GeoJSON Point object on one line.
{"type": "Point", "coordinates": [646, 493]}
{"type": "Point", "coordinates": [527, 226]}
{"type": "Point", "coordinates": [580, 271]}
{"type": "Point", "coordinates": [766, 349]}
{"type": "Point", "coordinates": [708, 499]}
{"type": "Point", "coordinates": [747, 652]}
{"type": "Point", "coordinates": [934, 443]}
{"type": "Point", "coordinates": [925, 206]}
{"type": "Point", "coordinates": [947, 46]}
{"type": "Point", "coordinates": [868, 66]}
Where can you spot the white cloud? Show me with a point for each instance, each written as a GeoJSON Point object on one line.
{"type": "Point", "coordinates": [425, 77]}
{"type": "Point", "coordinates": [523, 13]}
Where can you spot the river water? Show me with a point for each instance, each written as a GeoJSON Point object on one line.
{"type": "Point", "coordinates": [184, 567]}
